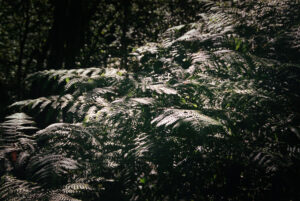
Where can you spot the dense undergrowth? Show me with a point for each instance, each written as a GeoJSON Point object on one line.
{"type": "Point", "coordinates": [208, 113]}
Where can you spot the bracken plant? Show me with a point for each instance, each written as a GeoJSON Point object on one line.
{"type": "Point", "coordinates": [207, 113]}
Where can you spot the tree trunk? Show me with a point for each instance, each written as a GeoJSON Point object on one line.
{"type": "Point", "coordinates": [124, 28]}
{"type": "Point", "coordinates": [22, 42]}
{"type": "Point", "coordinates": [66, 38]}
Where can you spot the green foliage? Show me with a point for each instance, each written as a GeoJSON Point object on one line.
{"type": "Point", "coordinates": [40, 35]}
{"type": "Point", "coordinates": [204, 116]}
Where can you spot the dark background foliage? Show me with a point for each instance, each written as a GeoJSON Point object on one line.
{"type": "Point", "coordinates": [64, 34]}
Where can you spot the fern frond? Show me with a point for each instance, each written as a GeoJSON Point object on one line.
{"type": "Point", "coordinates": [55, 80]}
{"type": "Point", "coordinates": [67, 140]}
{"type": "Point", "coordinates": [61, 197]}
{"type": "Point", "coordinates": [171, 34]}
{"type": "Point", "coordinates": [76, 188]}
{"type": "Point", "coordinates": [177, 117]}
{"type": "Point", "coordinates": [18, 122]}
{"type": "Point", "coordinates": [143, 101]}
{"type": "Point", "coordinates": [51, 168]}
{"type": "Point", "coordinates": [17, 142]}
{"type": "Point", "coordinates": [161, 89]}
{"type": "Point", "coordinates": [207, 104]}
{"type": "Point", "coordinates": [143, 145]}
{"type": "Point", "coordinates": [15, 189]}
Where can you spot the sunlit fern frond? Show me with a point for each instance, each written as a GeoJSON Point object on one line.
{"type": "Point", "coordinates": [171, 34]}
{"type": "Point", "coordinates": [122, 113]}
{"type": "Point", "coordinates": [176, 118]}
{"type": "Point", "coordinates": [66, 139]}
{"type": "Point", "coordinates": [46, 109]}
{"type": "Point", "coordinates": [83, 88]}
{"type": "Point", "coordinates": [76, 188]}
{"type": "Point", "coordinates": [50, 169]}
{"type": "Point", "coordinates": [162, 93]}
{"type": "Point", "coordinates": [161, 89]}
{"type": "Point", "coordinates": [107, 77]}
{"type": "Point", "coordinates": [41, 103]}
{"type": "Point", "coordinates": [70, 192]}
{"type": "Point", "coordinates": [16, 125]}
{"type": "Point", "coordinates": [53, 81]}
{"type": "Point", "coordinates": [211, 31]}
{"type": "Point", "coordinates": [150, 49]}
{"type": "Point", "coordinates": [56, 196]}
{"type": "Point", "coordinates": [65, 108]}
{"type": "Point", "coordinates": [295, 37]}
{"type": "Point", "coordinates": [15, 189]}
{"type": "Point", "coordinates": [17, 142]}
{"type": "Point", "coordinates": [142, 146]}
{"type": "Point", "coordinates": [126, 115]}
{"type": "Point", "coordinates": [73, 81]}
{"type": "Point", "coordinates": [77, 142]}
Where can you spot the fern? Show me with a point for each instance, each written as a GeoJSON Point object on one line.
{"type": "Point", "coordinates": [176, 117]}
{"type": "Point", "coordinates": [47, 168]}
{"type": "Point", "coordinates": [17, 141]}
{"type": "Point", "coordinates": [76, 188]}
{"type": "Point", "coordinates": [15, 189]}
{"type": "Point", "coordinates": [206, 116]}
{"type": "Point", "coordinates": [61, 197]}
